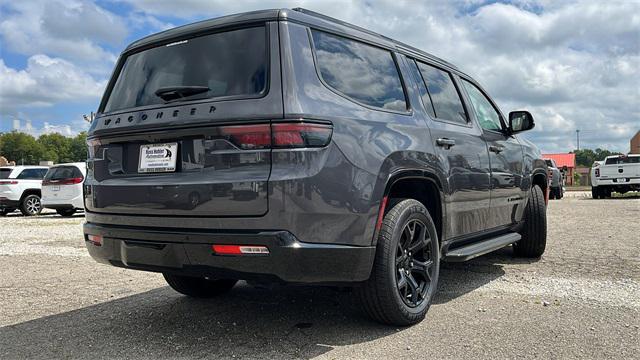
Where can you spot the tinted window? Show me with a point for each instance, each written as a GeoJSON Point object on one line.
{"type": "Point", "coordinates": [31, 174]}
{"type": "Point", "coordinates": [228, 63]}
{"type": "Point", "coordinates": [4, 173]}
{"type": "Point", "coordinates": [364, 73]}
{"type": "Point", "coordinates": [623, 160]}
{"type": "Point", "coordinates": [444, 95]}
{"type": "Point", "coordinates": [549, 163]}
{"type": "Point", "coordinates": [63, 172]}
{"type": "Point", "coordinates": [487, 115]}
{"type": "Point", "coordinates": [424, 94]}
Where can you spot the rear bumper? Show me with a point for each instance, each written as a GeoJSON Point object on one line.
{"type": "Point", "coordinates": [55, 203]}
{"type": "Point", "coordinates": [8, 204]}
{"type": "Point", "coordinates": [189, 252]}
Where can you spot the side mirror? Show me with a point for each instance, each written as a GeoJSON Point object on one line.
{"type": "Point", "coordinates": [520, 121]}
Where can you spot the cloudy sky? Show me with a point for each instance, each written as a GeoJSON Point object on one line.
{"type": "Point", "coordinates": [574, 65]}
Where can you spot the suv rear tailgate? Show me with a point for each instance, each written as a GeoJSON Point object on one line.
{"type": "Point", "coordinates": [213, 175]}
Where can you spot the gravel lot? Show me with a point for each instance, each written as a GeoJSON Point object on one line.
{"type": "Point", "coordinates": [582, 299]}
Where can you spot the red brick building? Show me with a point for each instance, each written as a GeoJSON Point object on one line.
{"type": "Point", "coordinates": [634, 144]}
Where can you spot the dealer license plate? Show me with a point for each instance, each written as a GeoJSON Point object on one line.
{"type": "Point", "coordinates": [158, 158]}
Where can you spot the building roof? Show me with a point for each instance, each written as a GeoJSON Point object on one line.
{"type": "Point", "coordinates": [568, 160]}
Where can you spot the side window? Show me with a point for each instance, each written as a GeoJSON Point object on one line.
{"type": "Point", "coordinates": [424, 94]}
{"type": "Point", "coordinates": [30, 174]}
{"type": "Point", "coordinates": [362, 72]}
{"type": "Point", "coordinates": [487, 115]}
{"type": "Point", "coordinates": [444, 95]}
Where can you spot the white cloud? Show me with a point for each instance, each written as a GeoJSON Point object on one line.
{"type": "Point", "coordinates": [44, 82]}
{"type": "Point", "coordinates": [73, 30]}
{"type": "Point", "coordinates": [574, 64]}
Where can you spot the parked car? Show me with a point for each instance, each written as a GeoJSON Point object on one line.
{"type": "Point", "coordinates": [20, 188]}
{"type": "Point", "coordinates": [619, 173]}
{"type": "Point", "coordinates": [347, 142]}
{"type": "Point", "coordinates": [557, 190]}
{"type": "Point", "coordinates": [62, 188]}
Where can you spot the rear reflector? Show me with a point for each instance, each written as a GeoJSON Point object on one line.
{"type": "Point", "coordinates": [8, 182]}
{"type": "Point", "coordinates": [383, 205]}
{"type": "Point", "coordinates": [240, 250]}
{"type": "Point", "coordinates": [95, 239]}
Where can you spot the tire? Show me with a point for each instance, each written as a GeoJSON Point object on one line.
{"type": "Point", "coordinates": [66, 212]}
{"type": "Point", "coordinates": [31, 205]}
{"type": "Point", "coordinates": [199, 287]}
{"type": "Point", "coordinates": [595, 192]}
{"type": "Point", "coordinates": [388, 295]}
{"type": "Point", "coordinates": [534, 230]}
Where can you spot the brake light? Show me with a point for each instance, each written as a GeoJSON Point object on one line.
{"type": "Point", "coordinates": [240, 250]}
{"type": "Point", "coordinates": [286, 135]}
{"type": "Point", "coordinates": [278, 135]}
{"type": "Point", "coordinates": [249, 136]}
{"type": "Point", "coordinates": [68, 181]}
{"type": "Point", "coordinates": [597, 171]}
{"type": "Point", "coordinates": [8, 182]}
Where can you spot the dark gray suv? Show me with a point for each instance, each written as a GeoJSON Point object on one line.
{"type": "Point", "coordinates": [287, 146]}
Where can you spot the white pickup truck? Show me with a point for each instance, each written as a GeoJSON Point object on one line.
{"type": "Point", "coordinates": [620, 173]}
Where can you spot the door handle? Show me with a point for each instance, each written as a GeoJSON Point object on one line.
{"type": "Point", "coordinates": [496, 149]}
{"type": "Point", "coordinates": [446, 143]}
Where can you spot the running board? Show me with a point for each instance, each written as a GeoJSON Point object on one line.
{"type": "Point", "coordinates": [471, 251]}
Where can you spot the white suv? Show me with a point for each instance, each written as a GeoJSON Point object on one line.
{"type": "Point", "coordinates": [62, 188]}
{"type": "Point", "coordinates": [20, 188]}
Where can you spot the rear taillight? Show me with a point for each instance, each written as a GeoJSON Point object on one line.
{"type": "Point", "coordinates": [68, 181]}
{"type": "Point", "coordinates": [278, 135]}
{"type": "Point", "coordinates": [248, 136]}
{"type": "Point", "coordinates": [295, 135]}
{"type": "Point", "coordinates": [597, 171]}
{"type": "Point", "coordinates": [8, 182]}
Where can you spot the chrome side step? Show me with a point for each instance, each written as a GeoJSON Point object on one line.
{"type": "Point", "coordinates": [471, 251]}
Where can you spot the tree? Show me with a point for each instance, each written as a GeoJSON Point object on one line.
{"type": "Point", "coordinates": [78, 148]}
{"type": "Point", "coordinates": [56, 147]}
{"type": "Point", "coordinates": [586, 157]}
{"type": "Point", "coordinates": [21, 148]}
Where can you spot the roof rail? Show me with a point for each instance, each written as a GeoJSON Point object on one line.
{"type": "Point", "coordinates": [401, 45]}
{"type": "Point", "coordinates": [344, 23]}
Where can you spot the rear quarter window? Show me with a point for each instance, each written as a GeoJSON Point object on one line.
{"type": "Point", "coordinates": [364, 73]}
{"type": "Point", "coordinates": [230, 63]}
{"type": "Point", "coordinates": [4, 173]}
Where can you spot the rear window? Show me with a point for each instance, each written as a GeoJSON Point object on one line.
{"type": "Point", "coordinates": [63, 172]}
{"type": "Point", "coordinates": [623, 160]}
{"type": "Point", "coordinates": [365, 73]}
{"type": "Point", "coordinates": [4, 173]}
{"type": "Point", "coordinates": [232, 63]}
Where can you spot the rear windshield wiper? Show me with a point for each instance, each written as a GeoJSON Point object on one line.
{"type": "Point", "coordinates": [169, 93]}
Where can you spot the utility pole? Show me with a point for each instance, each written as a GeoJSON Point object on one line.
{"type": "Point", "coordinates": [578, 137]}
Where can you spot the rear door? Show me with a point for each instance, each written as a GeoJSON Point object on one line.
{"type": "Point", "coordinates": [505, 157]}
{"type": "Point", "coordinates": [185, 127]}
{"type": "Point", "coordinates": [460, 148]}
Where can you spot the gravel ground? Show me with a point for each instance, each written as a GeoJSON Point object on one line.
{"type": "Point", "coordinates": [581, 300]}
